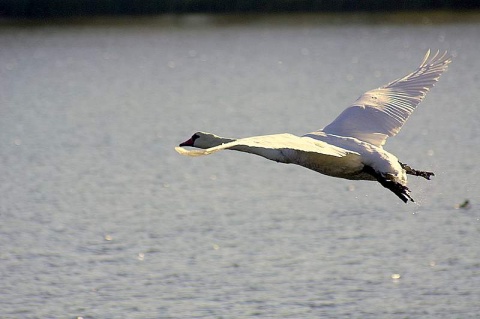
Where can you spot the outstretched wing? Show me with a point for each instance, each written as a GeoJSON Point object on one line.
{"type": "Point", "coordinates": [381, 112]}
{"type": "Point", "coordinates": [276, 147]}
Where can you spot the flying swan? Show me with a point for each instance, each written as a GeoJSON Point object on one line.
{"type": "Point", "coordinates": [350, 147]}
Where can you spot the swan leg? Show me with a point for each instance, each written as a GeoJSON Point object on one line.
{"type": "Point", "coordinates": [414, 172]}
{"type": "Point", "coordinates": [388, 182]}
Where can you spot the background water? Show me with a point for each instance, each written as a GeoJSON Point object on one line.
{"type": "Point", "coordinates": [101, 218]}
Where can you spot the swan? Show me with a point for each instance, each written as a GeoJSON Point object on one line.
{"type": "Point", "coordinates": [351, 147]}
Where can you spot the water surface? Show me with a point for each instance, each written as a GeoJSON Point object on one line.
{"type": "Point", "coordinates": [101, 218]}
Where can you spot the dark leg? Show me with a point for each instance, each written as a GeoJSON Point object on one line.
{"type": "Point", "coordinates": [412, 171]}
{"type": "Point", "coordinates": [398, 189]}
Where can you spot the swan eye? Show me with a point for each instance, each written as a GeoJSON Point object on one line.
{"type": "Point", "coordinates": [195, 136]}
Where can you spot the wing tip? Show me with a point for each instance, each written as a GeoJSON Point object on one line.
{"type": "Point", "coordinates": [425, 58]}
{"type": "Point", "coordinates": [437, 59]}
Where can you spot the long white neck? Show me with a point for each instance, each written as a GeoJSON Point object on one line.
{"type": "Point", "coordinates": [267, 146]}
{"type": "Point", "coordinates": [209, 140]}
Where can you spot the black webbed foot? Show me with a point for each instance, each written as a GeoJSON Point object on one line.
{"type": "Point", "coordinates": [388, 181]}
{"type": "Point", "coordinates": [415, 172]}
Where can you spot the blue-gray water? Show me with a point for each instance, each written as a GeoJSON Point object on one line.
{"type": "Point", "coordinates": [101, 218]}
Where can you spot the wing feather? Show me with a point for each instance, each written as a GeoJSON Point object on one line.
{"type": "Point", "coordinates": [382, 112]}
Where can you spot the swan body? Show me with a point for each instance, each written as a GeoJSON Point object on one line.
{"type": "Point", "coordinates": [350, 147]}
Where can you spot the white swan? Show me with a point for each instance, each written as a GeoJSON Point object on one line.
{"type": "Point", "coordinates": [351, 146]}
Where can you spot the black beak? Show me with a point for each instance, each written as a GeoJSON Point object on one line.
{"type": "Point", "coordinates": [187, 143]}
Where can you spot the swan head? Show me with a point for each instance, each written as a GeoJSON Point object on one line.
{"type": "Point", "coordinates": [203, 140]}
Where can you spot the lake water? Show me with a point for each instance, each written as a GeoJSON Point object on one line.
{"type": "Point", "coordinates": [101, 218]}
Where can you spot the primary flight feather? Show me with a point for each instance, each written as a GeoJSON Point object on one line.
{"type": "Point", "coordinates": [351, 146]}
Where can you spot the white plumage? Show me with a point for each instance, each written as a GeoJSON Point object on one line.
{"type": "Point", "coordinates": [351, 146]}
{"type": "Point", "coordinates": [381, 112]}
